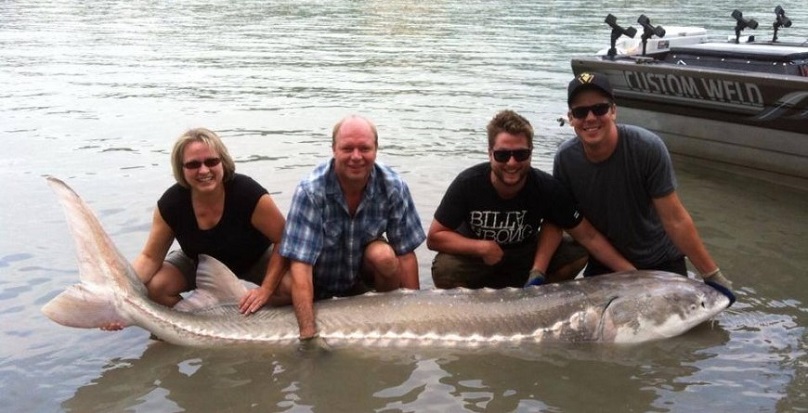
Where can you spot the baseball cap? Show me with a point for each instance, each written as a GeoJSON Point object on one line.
{"type": "Point", "coordinates": [589, 80]}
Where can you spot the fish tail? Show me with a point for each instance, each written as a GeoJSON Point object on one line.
{"type": "Point", "coordinates": [80, 307]}
{"type": "Point", "coordinates": [106, 276]}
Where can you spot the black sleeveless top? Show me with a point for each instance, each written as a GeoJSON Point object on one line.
{"type": "Point", "coordinates": [233, 241]}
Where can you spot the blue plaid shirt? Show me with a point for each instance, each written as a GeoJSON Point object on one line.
{"type": "Point", "coordinates": [319, 230]}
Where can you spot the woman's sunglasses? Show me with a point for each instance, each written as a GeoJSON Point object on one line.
{"type": "Point", "coordinates": [209, 162]}
{"type": "Point", "coordinates": [582, 111]}
{"type": "Point", "coordinates": [503, 155]}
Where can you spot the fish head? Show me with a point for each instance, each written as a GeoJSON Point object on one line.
{"type": "Point", "coordinates": [651, 311]}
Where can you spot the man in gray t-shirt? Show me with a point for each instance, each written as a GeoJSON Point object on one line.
{"type": "Point", "coordinates": [622, 178]}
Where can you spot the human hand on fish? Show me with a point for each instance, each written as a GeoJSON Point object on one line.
{"type": "Point", "coordinates": [313, 345]}
{"type": "Point", "coordinates": [536, 277]}
{"type": "Point", "coordinates": [112, 327]}
{"type": "Point", "coordinates": [717, 280]}
{"type": "Point", "coordinates": [254, 300]}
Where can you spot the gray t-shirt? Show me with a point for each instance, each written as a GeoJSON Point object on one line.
{"type": "Point", "coordinates": [616, 195]}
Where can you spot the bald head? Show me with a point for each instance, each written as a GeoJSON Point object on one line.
{"type": "Point", "coordinates": [354, 124]}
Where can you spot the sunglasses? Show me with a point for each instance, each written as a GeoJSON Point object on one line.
{"type": "Point", "coordinates": [583, 111]}
{"type": "Point", "coordinates": [209, 162]}
{"type": "Point", "coordinates": [503, 155]}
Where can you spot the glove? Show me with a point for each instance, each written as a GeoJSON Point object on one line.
{"type": "Point", "coordinates": [721, 283]}
{"type": "Point", "coordinates": [536, 277]}
{"type": "Point", "coordinates": [313, 345]}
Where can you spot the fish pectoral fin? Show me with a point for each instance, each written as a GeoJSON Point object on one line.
{"type": "Point", "coordinates": [81, 308]}
{"type": "Point", "coordinates": [215, 285]}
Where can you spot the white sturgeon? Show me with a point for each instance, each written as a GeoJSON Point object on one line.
{"type": "Point", "coordinates": [626, 307]}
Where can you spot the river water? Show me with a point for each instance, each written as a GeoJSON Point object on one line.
{"type": "Point", "coordinates": [96, 92]}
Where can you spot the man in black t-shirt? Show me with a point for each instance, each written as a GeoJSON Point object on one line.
{"type": "Point", "coordinates": [499, 223]}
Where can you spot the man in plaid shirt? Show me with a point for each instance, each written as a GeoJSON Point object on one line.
{"type": "Point", "coordinates": [352, 226]}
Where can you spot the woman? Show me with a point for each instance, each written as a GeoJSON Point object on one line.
{"type": "Point", "coordinates": [214, 211]}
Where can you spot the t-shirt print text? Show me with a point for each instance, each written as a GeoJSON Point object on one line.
{"type": "Point", "coordinates": [504, 227]}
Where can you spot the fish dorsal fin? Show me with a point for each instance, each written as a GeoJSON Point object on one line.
{"type": "Point", "coordinates": [215, 285]}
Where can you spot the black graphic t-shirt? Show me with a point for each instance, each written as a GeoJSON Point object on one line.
{"type": "Point", "coordinates": [472, 207]}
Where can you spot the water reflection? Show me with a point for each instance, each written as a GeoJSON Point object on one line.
{"type": "Point", "coordinates": [570, 378]}
{"type": "Point", "coordinates": [172, 378]}
{"type": "Point", "coordinates": [575, 378]}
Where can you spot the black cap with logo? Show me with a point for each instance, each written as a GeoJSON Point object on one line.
{"type": "Point", "coordinates": [589, 80]}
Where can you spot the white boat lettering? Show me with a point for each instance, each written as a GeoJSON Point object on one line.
{"type": "Point", "coordinates": [733, 92]}
{"type": "Point", "coordinates": [688, 86]}
{"type": "Point", "coordinates": [728, 91]}
{"type": "Point", "coordinates": [682, 86]}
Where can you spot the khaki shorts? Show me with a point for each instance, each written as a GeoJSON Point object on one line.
{"type": "Point", "coordinates": [452, 271]}
{"type": "Point", "coordinates": [187, 267]}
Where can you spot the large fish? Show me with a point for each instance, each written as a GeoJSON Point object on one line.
{"type": "Point", "coordinates": [627, 307]}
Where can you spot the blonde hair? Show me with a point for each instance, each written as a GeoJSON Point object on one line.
{"type": "Point", "coordinates": [210, 139]}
